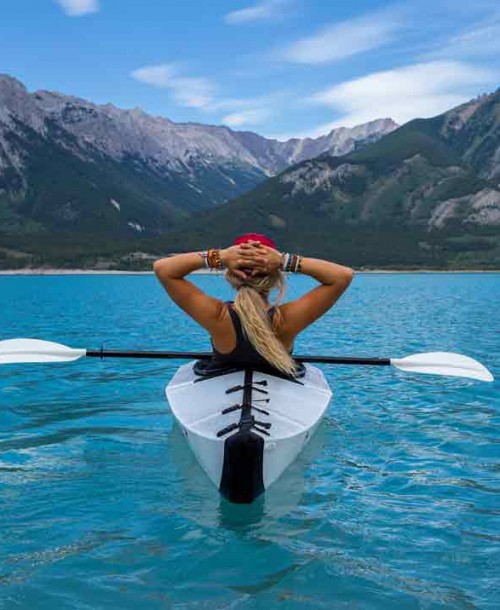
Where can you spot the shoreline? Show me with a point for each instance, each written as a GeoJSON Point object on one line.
{"type": "Point", "coordinates": [54, 272]}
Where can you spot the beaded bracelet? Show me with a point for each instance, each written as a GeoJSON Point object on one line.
{"type": "Point", "coordinates": [291, 263]}
{"type": "Point", "coordinates": [214, 260]}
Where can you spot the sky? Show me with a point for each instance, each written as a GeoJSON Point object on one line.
{"type": "Point", "coordinates": [281, 68]}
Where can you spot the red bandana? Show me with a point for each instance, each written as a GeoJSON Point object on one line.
{"type": "Point", "coordinates": [262, 239]}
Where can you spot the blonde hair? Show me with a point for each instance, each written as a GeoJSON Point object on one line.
{"type": "Point", "coordinates": [261, 332]}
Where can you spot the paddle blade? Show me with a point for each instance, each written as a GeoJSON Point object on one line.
{"type": "Point", "coordinates": [443, 363]}
{"type": "Point", "coordinates": [33, 350]}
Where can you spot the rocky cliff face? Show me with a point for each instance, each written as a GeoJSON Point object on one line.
{"type": "Point", "coordinates": [63, 160]}
{"type": "Point", "coordinates": [473, 130]}
{"type": "Point", "coordinates": [430, 172]}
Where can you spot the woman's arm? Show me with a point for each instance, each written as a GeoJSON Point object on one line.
{"type": "Point", "coordinates": [204, 309]}
{"type": "Point", "coordinates": [334, 280]}
{"type": "Point", "coordinates": [296, 315]}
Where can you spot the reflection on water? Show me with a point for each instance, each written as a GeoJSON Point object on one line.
{"type": "Point", "coordinates": [211, 510]}
{"type": "Point", "coordinates": [393, 504]}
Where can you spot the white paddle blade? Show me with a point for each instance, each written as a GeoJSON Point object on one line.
{"type": "Point", "coordinates": [14, 351]}
{"type": "Point", "coordinates": [443, 363]}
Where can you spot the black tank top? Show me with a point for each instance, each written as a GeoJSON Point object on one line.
{"type": "Point", "coordinates": [244, 353]}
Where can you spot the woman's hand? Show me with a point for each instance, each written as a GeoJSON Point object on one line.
{"type": "Point", "coordinates": [250, 259]}
{"type": "Point", "coordinates": [236, 260]}
{"type": "Point", "coordinates": [262, 259]}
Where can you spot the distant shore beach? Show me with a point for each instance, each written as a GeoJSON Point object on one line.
{"type": "Point", "coordinates": [206, 272]}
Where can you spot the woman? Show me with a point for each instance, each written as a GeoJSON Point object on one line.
{"type": "Point", "coordinates": [252, 331]}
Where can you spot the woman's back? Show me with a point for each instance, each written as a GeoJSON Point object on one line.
{"type": "Point", "coordinates": [252, 330]}
{"type": "Point", "coordinates": [237, 349]}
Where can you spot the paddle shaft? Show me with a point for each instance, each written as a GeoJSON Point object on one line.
{"type": "Point", "coordinates": [17, 351]}
{"type": "Point", "coordinates": [101, 353]}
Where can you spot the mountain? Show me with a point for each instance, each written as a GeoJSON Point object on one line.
{"type": "Point", "coordinates": [274, 156]}
{"type": "Point", "coordinates": [473, 130]}
{"type": "Point", "coordinates": [68, 165]}
{"type": "Point", "coordinates": [83, 185]}
{"type": "Point", "coordinates": [426, 194]}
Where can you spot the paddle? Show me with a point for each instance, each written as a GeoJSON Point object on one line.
{"type": "Point", "coordinates": [435, 363]}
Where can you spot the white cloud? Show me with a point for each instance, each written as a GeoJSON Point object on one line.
{"type": "Point", "coordinates": [188, 91]}
{"type": "Point", "coordinates": [77, 8]}
{"type": "Point", "coordinates": [480, 40]}
{"type": "Point", "coordinates": [252, 116]}
{"type": "Point", "coordinates": [158, 76]}
{"type": "Point", "coordinates": [200, 93]}
{"type": "Point", "coordinates": [419, 90]}
{"type": "Point", "coordinates": [193, 92]}
{"type": "Point", "coordinates": [262, 11]}
{"type": "Point", "coordinates": [344, 39]}
{"type": "Point", "coordinates": [230, 104]}
{"type": "Point", "coordinates": [269, 100]}
{"type": "Point", "coordinates": [251, 111]}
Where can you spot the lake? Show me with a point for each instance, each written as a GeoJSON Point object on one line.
{"type": "Point", "coordinates": [394, 504]}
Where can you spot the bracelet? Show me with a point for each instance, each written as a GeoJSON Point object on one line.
{"type": "Point", "coordinates": [291, 263]}
{"type": "Point", "coordinates": [213, 259]}
{"type": "Point", "coordinates": [204, 256]}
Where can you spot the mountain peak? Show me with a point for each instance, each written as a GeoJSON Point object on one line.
{"type": "Point", "coordinates": [11, 90]}
{"type": "Point", "coordinates": [6, 80]}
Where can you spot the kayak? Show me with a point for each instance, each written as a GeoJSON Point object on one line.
{"type": "Point", "coordinates": [245, 426]}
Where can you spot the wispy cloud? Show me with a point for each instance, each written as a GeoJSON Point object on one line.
{"type": "Point", "coordinates": [193, 92]}
{"type": "Point", "coordinates": [251, 111]}
{"type": "Point", "coordinates": [418, 90]}
{"type": "Point", "coordinates": [340, 40]}
{"type": "Point", "coordinates": [188, 91]}
{"type": "Point", "coordinates": [261, 11]}
{"type": "Point", "coordinates": [200, 93]}
{"type": "Point", "coordinates": [159, 75]}
{"type": "Point", "coordinates": [77, 8]}
{"type": "Point", "coordinates": [481, 40]}
{"type": "Point", "coordinates": [250, 117]}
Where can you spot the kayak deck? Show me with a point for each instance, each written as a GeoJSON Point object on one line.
{"type": "Point", "coordinates": [245, 427]}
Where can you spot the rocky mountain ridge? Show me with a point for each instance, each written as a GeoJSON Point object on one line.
{"type": "Point", "coordinates": [427, 193]}
{"type": "Point", "coordinates": [118, 132]}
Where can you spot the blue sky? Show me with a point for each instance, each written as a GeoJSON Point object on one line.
{"type": "Point", "coordinates": [281, 68]}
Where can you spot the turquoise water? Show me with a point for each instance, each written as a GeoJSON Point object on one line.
{"type": "Point", "coordinates": [394, 504]}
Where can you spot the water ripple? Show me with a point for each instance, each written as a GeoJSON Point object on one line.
{"type": "Point", "coordinates": [393, 505]}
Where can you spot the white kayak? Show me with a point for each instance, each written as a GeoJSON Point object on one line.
{"type": "Point", "coordinates": [246, 427]}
